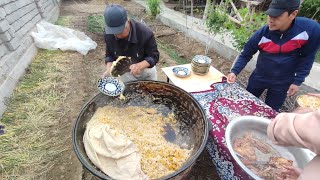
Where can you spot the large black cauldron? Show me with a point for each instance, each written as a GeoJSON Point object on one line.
{"type": "Point", "coordinates": [166, 98]}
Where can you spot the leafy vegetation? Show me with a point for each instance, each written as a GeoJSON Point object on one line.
{"type": "Point", "coordinates": [218, 22]}
{"type": "Point", "coordinates": [95, 24]}
{"type": "Point", "coordinates": [154, 7]}
{"type": "Point", "coordinates": [241, 34]}
{"type": "Point", "coordinates": [310, 9]}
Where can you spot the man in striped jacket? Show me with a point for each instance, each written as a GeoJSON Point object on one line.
{"type": "Point", "coordinates": [287, 48]}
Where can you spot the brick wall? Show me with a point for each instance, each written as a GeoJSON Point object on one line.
{"type": "Point", "coordinates": [17, 19]}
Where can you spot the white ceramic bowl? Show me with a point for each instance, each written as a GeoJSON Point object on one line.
{"type": "Point", "coordinates": [181, 71]}
{"type": "Point", "coordinates": [111, 86]}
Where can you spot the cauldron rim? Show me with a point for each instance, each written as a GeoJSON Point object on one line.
{"type": "Point", "coordinates": [188, 164]}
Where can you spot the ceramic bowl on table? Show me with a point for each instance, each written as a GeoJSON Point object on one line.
{"type": "Point", "coordinates": [181, 71]}
{"type": "Point", "coordinates": [257, 126]}
{"type": "Point", "coordinates": [111, 86]}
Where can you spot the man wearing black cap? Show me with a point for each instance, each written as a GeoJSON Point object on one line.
{"type": "Point", "coordinates": [287, 48]}
{"type": "Point", "coordinates": [132, 39]}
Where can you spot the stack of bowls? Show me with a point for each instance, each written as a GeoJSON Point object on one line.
{"type": "Point", "coordinates": [200, 64]}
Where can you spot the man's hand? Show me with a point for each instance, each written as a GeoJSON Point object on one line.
{"type": "Point", "coordinates": [107, 73]}
{"type": "Point", "coordinates": [293, 89]}
{"type": "Point", "coordinates": [231, 78]}
{"type": "Point", "coordinates": [137, 68]}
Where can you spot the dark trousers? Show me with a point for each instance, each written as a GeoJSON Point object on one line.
{"type": "Point", "coordinates": [276, 89]}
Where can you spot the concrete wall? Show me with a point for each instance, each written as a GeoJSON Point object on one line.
{"type": "Point", "coordinates": [17, 19]}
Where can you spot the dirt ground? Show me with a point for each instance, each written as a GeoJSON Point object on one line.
{"type": "Point", "coordinates": [87, 69]}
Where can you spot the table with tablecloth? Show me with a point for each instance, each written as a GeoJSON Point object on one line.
{"type": "Point", "coordinates": [223, 102]}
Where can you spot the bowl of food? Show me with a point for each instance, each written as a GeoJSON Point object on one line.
{"type": "Point", "coordinates": [308, 100]}
{"type": "Point", "coordinates": [249, 145]}
{"type": "Point", "coordinates": [181, 71]}
{"type": "Point", "coordinates": [169, 119]}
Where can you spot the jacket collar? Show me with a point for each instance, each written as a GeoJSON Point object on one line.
{"type": "Point", "coordinates": [132, 37]}
{"type": "Point", "coordinates": [133, 32]}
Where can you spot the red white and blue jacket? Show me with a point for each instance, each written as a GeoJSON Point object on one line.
{"type": "Point", "coordinates": [283, 55]}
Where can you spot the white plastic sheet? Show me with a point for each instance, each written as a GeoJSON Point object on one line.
{"type": "Point", "coordinates": [50, 36]}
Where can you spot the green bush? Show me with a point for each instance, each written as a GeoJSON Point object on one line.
{"type": "Point", "coordinates": [216, 20]}
{"type": "Point", "coordinates": [310, 9]}
{"type": "Point", "coordinates": [241, 34]}
{"type": "Point", "coordinates": [154, 7]}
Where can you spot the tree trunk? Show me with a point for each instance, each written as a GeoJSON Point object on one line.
{"type": "Point", "coordinates": [191, 8]}
{"type": "Point", "coordinates": [206, 9]}
{"type": "Point", "coordinates": [180, 2]}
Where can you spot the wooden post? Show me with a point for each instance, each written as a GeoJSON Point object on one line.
{"type": "Point", "coordinates": [184, 6]}
{"type": "Point", "coordinates": [191, 8]}
{"type": "Point", "coordinates": [234, 20]}
{"type": "Point", "coordinates": [248, 7]}
{"type": "Point", "coordinates": [252, 12]}
{"type": "Point", "coordinates": [236, 11]}
{"type": "Point", "coordinates": [206, 10]}
{"type": "Point", "coordinates": [179, 7]}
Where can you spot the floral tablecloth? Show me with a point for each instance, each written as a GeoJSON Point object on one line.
{"type": "Point", "coordinates": [223, 103]}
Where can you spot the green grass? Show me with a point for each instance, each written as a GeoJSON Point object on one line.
{"type": "Point", "coordinates": [172, 53]}
{"type": "Point", "coordinates": [63, 21]}
{"type": "Point", "coordinates": [154, 7]}
{"type": "Point", "coordinates": [30, 144]}
{"type": "Point", "coordinates": [318, 57]}
{"type": "Point", "coordinates": [95, 24]}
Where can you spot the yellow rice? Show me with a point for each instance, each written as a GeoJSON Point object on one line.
{"type": "Point", "coordinates": [145, 128]}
